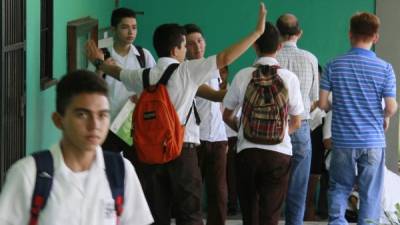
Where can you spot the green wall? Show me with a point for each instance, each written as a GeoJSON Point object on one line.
{"type": "Point", "coordinates": [224, 22]}
{"type": "Point", "coordinates": [40, 104]}
{"type": "Point", "coordinates": [325, 23]}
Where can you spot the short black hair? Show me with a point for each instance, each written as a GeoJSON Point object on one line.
{"type": "Point", "coordinates": [75, 83]}
{"type": "Point", "coordinates": [288, 27]}
{"type": "Point", "coordinates": [192, 28]}
{"type": "Point", "coordinates": [269, 41]}
{"type": "Point", "coordinates": [166, 37]}
{"type": "Point", "coordinates": [120, 13]}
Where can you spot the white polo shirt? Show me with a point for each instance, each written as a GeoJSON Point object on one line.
{"type": "Point", "coordinates": [182, 86]}
{"type": "Point", "coordinates": [212, 127]}
{"type": "Point", "coordinates": [235, 96]}
{"type": "Point", "coordinates": [75, 199]}
{"type": "Point", "coordinates": [118, 94]}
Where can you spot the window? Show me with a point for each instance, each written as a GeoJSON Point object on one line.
{"type": "Point", "coordinates": [79, 31]}
{"type": "Point", "coordinates": [46, 44]}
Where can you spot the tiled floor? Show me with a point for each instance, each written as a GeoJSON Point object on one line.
{"type": "Point", "coordinates": [239, 222]}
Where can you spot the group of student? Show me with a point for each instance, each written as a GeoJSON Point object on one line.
{"type": "Point", "coordinates": [267, 175]}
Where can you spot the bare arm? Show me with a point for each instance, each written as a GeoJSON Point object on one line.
{"type": "Point", "coordinates": [323, 102]}
{"type": "Point", "coordinates": [109, 61]}
{"type": "Point", "coordinates": [109, 68]}
{"type": "Point", "coordinates": [390, 107]}
{"type": "Point", "coordinates": [294, 123]}
{"type": "Point", "coordinates": [231, 53]}
{"type": "Point", "coordinates": [389, 111]}
{"type": "Point", "coordinates": [112, 70]}
{"type": "Point", "coordinates": [314, 105]}
{"type": "Point", "coordinates": [230, 119]}
{"type": "Point", "coordinates": [100, 73]}
{"type": "Point", "coordinates": [211, 94]}
{"type": "Point", "coordinates": [327, 143]}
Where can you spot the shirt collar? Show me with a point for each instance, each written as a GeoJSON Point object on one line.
{"type": "Point", "coordinates": [59, 163]}
{"type": "Point", "coordinates": [266, 61]}
{"type": "Point", "coordinates": [289, 44]}
{"type": "Point", "coordinates": [362, 51]}
{"type": "Point", "coordinates": [166, 61]}
{"type": "Point", "coordinates": [133, 50]}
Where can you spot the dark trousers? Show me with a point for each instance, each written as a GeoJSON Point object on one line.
{"type": "Point", "coordinates": [231, 173]}
{"type": "Point", "coordinates": [318, 149]}
{"type": "Point", "coordinates": [263, 178]}
{"type": "Point", "coordinates": [174, 188]}
{"type": "Point", "coordinates": [212, 163]}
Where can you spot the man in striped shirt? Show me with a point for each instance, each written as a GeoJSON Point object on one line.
{"type": "Point", "coordinates": [305, 66]}
{"type": "Point", "coordinates": [358, 80]}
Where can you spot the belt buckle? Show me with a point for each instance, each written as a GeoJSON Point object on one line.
{"type": "Point", "coordinates": [188, 145]}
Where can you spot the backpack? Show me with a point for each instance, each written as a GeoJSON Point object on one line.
{"type": "Point", "coordinates": [265, 107]}
{"type": "Point", "coordinates": [140, 58]}
{"type": "Point", "coordinates": [156, 128]}
{"type": "Point", "coordinates": [115, 172]}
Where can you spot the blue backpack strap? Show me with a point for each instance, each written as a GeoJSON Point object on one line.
{"type": "Point", "coordinates": [43, 184]}
{"type": "Point", "coordinates": [115, 172]}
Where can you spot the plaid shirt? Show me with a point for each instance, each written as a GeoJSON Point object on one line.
{"type": "Point", "coordinates": [305, 66]}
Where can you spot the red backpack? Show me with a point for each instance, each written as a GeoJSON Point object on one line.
{"type": "Point", "coordinates": [157, 130]}
{"type": "Point", "coordinates": [265, 107]}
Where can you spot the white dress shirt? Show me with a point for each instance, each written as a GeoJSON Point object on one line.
{"type": "Point", "coordinates": [182, 86]}
{"type": "Point", "coordinates": [75, 199]}
{"type": "Point", "coordinates": [212, 127]}
{"type": "Point", "coordinates": [117, 93]}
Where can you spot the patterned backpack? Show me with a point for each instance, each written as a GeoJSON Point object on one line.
{"type": "Point", "coordinates": [265, 107]}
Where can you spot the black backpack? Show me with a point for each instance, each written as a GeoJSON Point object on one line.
{"type": "Point", "coordinates": [115, 172]}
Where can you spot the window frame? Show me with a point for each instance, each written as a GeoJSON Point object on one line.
{"type": "Point", "coordinates": [46, 44]}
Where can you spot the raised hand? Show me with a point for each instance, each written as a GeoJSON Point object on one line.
{"type": "Point", "coordinates": [231, 53]}
{"type": "Point", "coordinates": [92, 52]}
{"type": "Point", "coordinates": [262, 14]}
